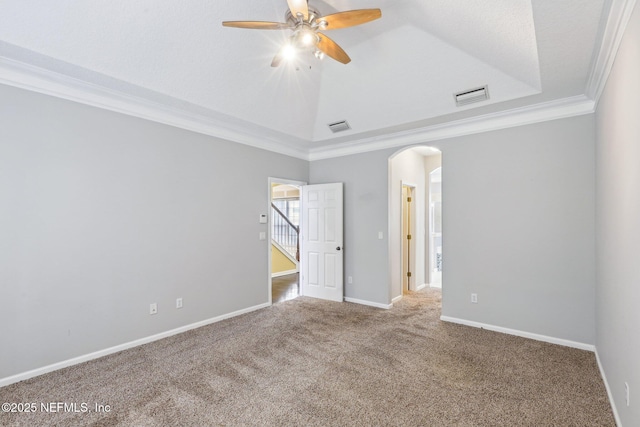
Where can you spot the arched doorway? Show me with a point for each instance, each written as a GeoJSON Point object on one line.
{"type": "Point", "coordinates": [413, 168]}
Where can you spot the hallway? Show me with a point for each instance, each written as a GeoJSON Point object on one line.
{"type": "Point", "coordinates": [285, 288]}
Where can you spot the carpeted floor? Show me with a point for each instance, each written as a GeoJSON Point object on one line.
{"type": "Point", "coordinates": [308, 362]}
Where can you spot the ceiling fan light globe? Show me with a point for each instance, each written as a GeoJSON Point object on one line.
{"type": "Point", "coordinates": [305, 37]}
{"type": "Point", "coordinates": [289, 52]}
{"type": "Point", "coordinates": [308, 38]}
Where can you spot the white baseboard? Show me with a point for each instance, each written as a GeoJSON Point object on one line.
{"type": "Point", "coordinates": [370, 303]}
{"type": "Point", "coordinates": [283, 273]}
{"type": "Point", "coordinates": [436, 285]}
{"type": "Point", "coordinates": [537, 337]}
{"type": "Point", "coordinates": [100, 353]}
{"type": "Point", "coordinates": [609, 394]}
{"type": "Point", "coordinates": [396, 299]}
{"type": "Point", "coordinates": [424, 285]}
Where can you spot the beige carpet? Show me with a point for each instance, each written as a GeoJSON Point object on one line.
{"type": "Point", "coordinates": [308, 362]}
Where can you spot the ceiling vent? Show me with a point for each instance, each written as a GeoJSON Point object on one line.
{"type": "Point", "coordinates": [339, 126]}
{"type": "Point", "coordinates": [472, 95]}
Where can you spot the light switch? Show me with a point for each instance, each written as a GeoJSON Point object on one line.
{"type": "Point", "coordinates": [263, 218]}
{"type": "Point", "coordinates": [263, 235]}
{"type": "Point", "coordinates": [380, 235]}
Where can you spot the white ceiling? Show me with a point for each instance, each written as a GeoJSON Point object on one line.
{"type": "Point", "coordinates": [176, 58]}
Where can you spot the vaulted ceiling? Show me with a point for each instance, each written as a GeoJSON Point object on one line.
{"type": "Point", "coordinates": [174, 62]}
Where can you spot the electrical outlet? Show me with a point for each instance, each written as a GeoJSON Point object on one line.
{"type": "Point", "coordinates": [474, 298]}
{"type": "Point", "coordinates": [153, 308]}
{"type": "Point", "coordinates": [179, 303]}
{"type": "Point", "coordinates": [626, 392]}
{"type": "Point", "coordinates": [349, 279]}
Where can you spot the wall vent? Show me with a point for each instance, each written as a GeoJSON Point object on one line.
{"type": "Point", "coordinates": [339, 126]}
{"type": "Point", "coordinates": [472, 95]}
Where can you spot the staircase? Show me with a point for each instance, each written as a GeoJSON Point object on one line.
{"type": "Point", "coordinates": [285, 235]}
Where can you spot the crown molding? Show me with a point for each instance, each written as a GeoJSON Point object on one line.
{"type": "Point", "coordinates": [25, 76]}
{"type": "Point", "coordinates": [616, 24]}
{"type": "Point", "coordinates": [37, 79]}
{"type": "Point", "coordinates": [558, 109]}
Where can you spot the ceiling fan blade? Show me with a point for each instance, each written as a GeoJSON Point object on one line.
{"type": "Point", "coordinates": [299, 6]}
{"type": "Point", "coordinates": [277, 59]}
{"type": "Point", "coordinates": [257, 25]}
{"type": "Point", "coordinates": [350, 18]}
{"type": "Point", "coordinates": [331, 48]}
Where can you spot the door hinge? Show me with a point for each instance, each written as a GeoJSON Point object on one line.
{"type": "Point", "coordinates": [408, 236]}
{"type": "Point", "coordinates": [408, 274]}
{"type": "Point", "coordinates": [409, 199]}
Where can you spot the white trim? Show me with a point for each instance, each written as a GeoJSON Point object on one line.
{"type": "Point", "coordinates": [107, 351]}
{"type": "Point", "coordinates": [283, 273]}
{"type": "Point", "coordinates": [421, 287]}
{"type": "Point", "coordinates": [537, 337]}
{"type": "Point", "coordinates": [26, 76]}
{"type": "Point", "coordinates": [609, 394]}
{"type": "Point", "coordinates": [369, 303]}
{"type": "Point", "coordinates": [552, 110]}
{"type": "Point", "coordinates": [40, 80]}
{"type": "Point", "coordinates": [619, 15]}
{"type": "Point", "coordinates": [396, 299]}
{"type": "Point", "coordinates": [435, 285]}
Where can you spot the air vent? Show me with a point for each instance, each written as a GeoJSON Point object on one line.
{"type": "Point", "coordinates": [472, 95]}
{"type": "Point", "coordinates": [339, 126]}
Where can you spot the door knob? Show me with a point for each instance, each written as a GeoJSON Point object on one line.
{"type": "Point", "coordinates": [338, 248]}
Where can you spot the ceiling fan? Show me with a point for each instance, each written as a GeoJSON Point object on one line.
{"type": "Point", "coordinates": [306, 23]}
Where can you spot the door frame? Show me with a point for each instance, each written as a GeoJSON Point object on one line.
{"type": "Point", "coordinates": [412, 244]}
{"type": "Point", "coordinates": [270, 182]}
{"type": "Point", "coordinates": [430, 218]}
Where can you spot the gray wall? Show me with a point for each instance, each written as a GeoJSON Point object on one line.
{"type": "Point", "coordinates": [102, 214]}
{"type": "Point", "coordinates": [518, 218]}
{"type": "Point", "coordinates": [366, 258]}
{"type": "Point", "coordinates": [518, 228]}
{"type": "Point", "coordinates": [618, 226]}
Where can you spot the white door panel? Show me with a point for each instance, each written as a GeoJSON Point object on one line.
{"type": "Point", "coordinates": [321, 237]}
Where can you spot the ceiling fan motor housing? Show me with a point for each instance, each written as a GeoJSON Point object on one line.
{"type": "Point", "coordinates": [305, 35]}
{"type": "Point", "coordinates": [293, 20]}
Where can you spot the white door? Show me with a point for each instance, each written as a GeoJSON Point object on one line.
{"type": "Point", "coordinates": [321, 241]}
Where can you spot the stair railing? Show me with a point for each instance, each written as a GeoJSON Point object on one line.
{"type": "Point", "coordinates": [285, 233]}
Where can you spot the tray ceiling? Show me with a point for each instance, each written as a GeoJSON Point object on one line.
{"type": "Point", "coordinates": [406, 66]}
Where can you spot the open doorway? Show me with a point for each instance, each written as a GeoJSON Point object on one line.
{"type": "Point", "coordinates": [305, 233]}
{"type": "Point", "coordinates": [284, 228]}
{"type": "Point", "coordinates": [415, 261]}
